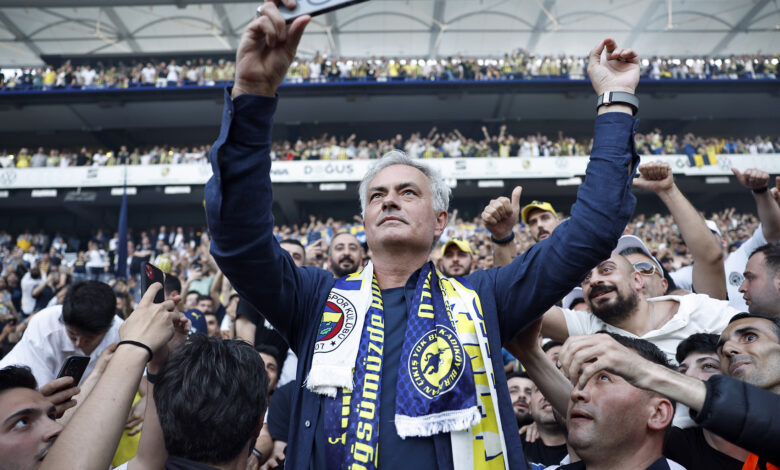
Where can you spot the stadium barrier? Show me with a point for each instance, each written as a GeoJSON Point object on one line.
{"type": "Point", "coordinates": [565, 169]}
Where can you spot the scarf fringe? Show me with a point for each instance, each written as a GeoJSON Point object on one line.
{"type": "Point", "coordinates": [327, 381]}
{"type": "Point", "coordinates": [444, 422]}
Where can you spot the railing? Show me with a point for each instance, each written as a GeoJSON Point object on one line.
{"type": "Point", "coordinates": [568, 170]}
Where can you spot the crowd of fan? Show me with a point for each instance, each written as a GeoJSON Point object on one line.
{"type": "Point", "coordinates": [518, 65]}
{"type": "Point", "coordinates": [39, 268]}
{"type": "Point", "coordinates": [45, 276]}
{"type": "Point", "coordinates": [433, 145]}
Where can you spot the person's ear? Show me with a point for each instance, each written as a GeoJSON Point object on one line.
{"type": "Point", "coordinates": [441, 223]}
{"type": "Point", "coordinates": [661, 414]}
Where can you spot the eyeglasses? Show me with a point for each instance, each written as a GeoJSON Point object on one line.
{"type": "Point", "coordinates": [646, 268]}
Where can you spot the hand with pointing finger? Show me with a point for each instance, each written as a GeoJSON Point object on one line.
{"type": "Point", "coordinates": [501, 215]}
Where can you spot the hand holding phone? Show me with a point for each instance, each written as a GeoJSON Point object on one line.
{"type": "Point", "coordinates": [60, 393]}
{"type": "Point", "coordinates": [74, 366]}
{"type": "Point", "coordinates": [311, 8]}
{"type": "Point", "coordinates": [151, 275]}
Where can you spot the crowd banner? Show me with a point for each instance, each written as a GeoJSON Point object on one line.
{"type": "Point", "coordinates": [329, 171]}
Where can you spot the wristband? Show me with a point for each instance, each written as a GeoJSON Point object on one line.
{"type": "Point", "coordinates": [151, 378]}
{"type": "Point", "coordinates": [258, 454]}
{"type": "Point", "coordinates": [761, 190]}
{"type": "Point", "coordinates": [503, 241]}
{"type": "Point", "coordinates": [620, 97]}
{"type": "Point", "coordinates": [140, 345]}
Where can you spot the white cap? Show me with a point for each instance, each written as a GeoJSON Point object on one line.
{"type": "Point", "coordinates": [575, 294]}
{"type": "Point", "coordinates": [630, 241]}
{"type": "Point", "coordinates": [713, 227]}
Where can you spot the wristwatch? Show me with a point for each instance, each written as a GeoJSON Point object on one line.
{"type": "Point", "coordinates": [612, 97]}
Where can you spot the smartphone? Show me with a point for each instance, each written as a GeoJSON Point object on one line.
{"type": "Point", "coordinates": [151, 275]}
{"type": "Point", "coordinates": [311, 7]}
{"type": "Point", "coordinates": [74, 366]}
{"type": "Point", "coordinates": [313, 237]}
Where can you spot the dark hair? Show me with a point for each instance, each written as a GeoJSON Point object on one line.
{"type": "Point", "coordinates": [771, 253]}
{"type": "Point", "coordinates": [775, 321]}
{"type": "Point", "coordinates": [575, 302]}
{"type": "Point", "coordinates": [204, 297]}
{"type": "Point", "coordinates": [550, 344]}
{"type": "Point", "coordinates": [171, 283]}
{"type": "Point", "coordinates": [211, 396]}
{"type": "Point", "coordinates": [270, 350]}
{"type": "Point", "coordinates": [696, 343]}
{"type": "Point", "coordinates": [644, 348]}
{"type": "Point", "coordinates": [89, 306]}
{"type": "Point", "coordinates": [17, 377]}
{"type": "Point", "coordinates": [292, 241]}
{"type": "Point", "coordinates": [522, 374]}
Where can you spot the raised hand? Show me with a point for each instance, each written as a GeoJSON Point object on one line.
{"type": "Point", "coordinates": [266, 50]}
{"type": "Point", "coordinates": [617, 70]}
{"type": "Point", "coordinates": [655, 176]}
{"type": "Point", "coordinates": [151, 324]}
{"type": "Point", "coordinates": [501, 215]}
{"type": "Point", "coordinates": [60, 393]}
{"type": "Point", "coordinates": [752, 178]}
{"type": "Point", "coordinates": [584, 356]}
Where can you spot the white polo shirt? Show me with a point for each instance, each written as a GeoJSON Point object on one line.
{"type": "Point", "coordinates": [45, 345]}
{"type": "Point", "coordinates": [697, 313]}
{"type": "Point", "coordinates": [734, 266]}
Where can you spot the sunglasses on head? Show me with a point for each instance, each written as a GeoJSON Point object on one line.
{"type": "Point", "coordinates": [647, 268]}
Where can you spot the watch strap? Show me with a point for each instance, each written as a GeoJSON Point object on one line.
{"type": "Point", "coordinates": [612, 97]}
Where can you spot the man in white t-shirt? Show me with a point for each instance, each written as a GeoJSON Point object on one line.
{"type": "Point", "coordinates": [148, 74]}
{"type": "Point", "coordinates": [614, 292]}
{"type": "Point", "coordinates": [85, 324]}
{"type": "Point", "coordinates": [88, 75]}
{"type": "Point", "coordinates": [768, 231]}
{"type": "Point", "coordinates": [29, 282]}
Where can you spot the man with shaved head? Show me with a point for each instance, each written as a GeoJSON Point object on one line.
{"type": "Point", "coordinates": [345, 254]}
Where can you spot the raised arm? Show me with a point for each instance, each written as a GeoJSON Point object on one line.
{"type": "Point", "coordinates": [547, 271]}
{"type": "Point", "coordinates": [768, 210]}
{"type": "Point", "coordinates": [500, 217]}
{"type": "Point", "coordinates": [709, 275]}
{"type": "Point", "coordinates": [239, 196]}
{"type": "Point", "coordinates": [101, 418]}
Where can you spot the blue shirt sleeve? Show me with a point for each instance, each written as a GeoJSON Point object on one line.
{"type": "Point", "coordinates": [544, 273]}
{"type": "Point", "coordinates": [239, 199]}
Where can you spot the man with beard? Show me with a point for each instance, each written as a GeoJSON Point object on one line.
{"type": "Point", "coordinates": [345, 255]}
{"type": "Point", "coordinates": [520, 389]}
{"type": "Point", "coordinates": [541, 219]}
{"type": "Point", "coordinates": [456, 258]}
{"type": "Point", "coordinates": [614, 292]}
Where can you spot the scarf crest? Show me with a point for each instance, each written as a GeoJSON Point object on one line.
{"type": "Point", "coordinates": [445, 382]}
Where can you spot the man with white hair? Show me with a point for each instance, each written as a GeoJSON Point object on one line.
{"type": "Point", "coordinates": [396, 358]}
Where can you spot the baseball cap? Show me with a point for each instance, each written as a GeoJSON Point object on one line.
{"type": "Point", "coordinates": [713, 227]}
{"type": "Point", "coordinates": [575, 294]}
{"type": "Point", "coordinates": [630, 241]}
{"type": "Point", "coordinates": [536, 205]}
{"type": "Point", "coordinates": [198, 321]}
{"type": "Point", "coordinates": [461, 244]}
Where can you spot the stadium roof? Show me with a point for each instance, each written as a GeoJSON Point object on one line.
{"type": "Point", "coordinates": [420, 28]}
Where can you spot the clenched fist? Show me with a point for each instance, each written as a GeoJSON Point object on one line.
{"type": "Point", "coordinates": [501, 215]}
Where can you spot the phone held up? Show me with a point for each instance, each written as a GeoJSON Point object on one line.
{"type": "Point", "coordinates": [311, 7]}
{"type": "Point", "coordinates": [74, 366]}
